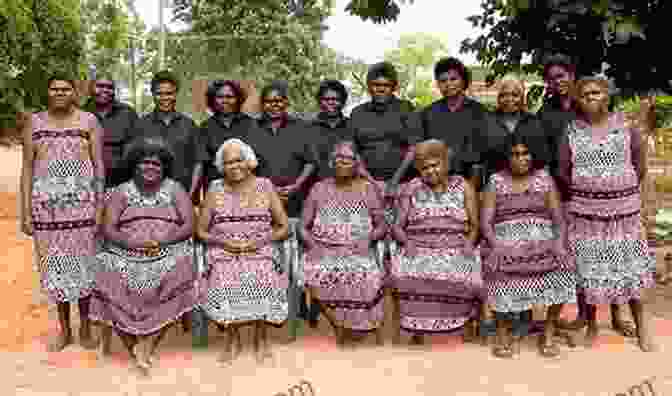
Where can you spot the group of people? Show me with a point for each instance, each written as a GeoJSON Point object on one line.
{"type": "Point", "coordinates": [469, 219]}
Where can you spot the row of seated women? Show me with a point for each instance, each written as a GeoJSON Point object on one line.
{"type": "Point", "coordinates": [454, 258]}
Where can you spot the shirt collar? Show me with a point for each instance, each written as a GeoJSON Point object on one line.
{"type": "Point", "coordinates": [324, 121]}
{"type": "Point", "coordinates": [91, 107]}
{"type": "Point", "coordinates": [382, 107]}
{"type": "Point", "coordinates": [173, 116]}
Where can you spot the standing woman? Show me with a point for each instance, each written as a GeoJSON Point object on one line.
{"type": "Point", "coordinates": [603, 163]}
{"type": "Point", "coordinates": [145, 281]}
{"type": "Point", "coordinates": [240, 218]}
{"type": "Point", "coordinates": [436, 275]}
{"type": "Point", "coordinates": [225, 98]}
{"type": "Point", "coordinates": [525, 262]}
{"type": "Point", "coordinates": [62, 186]}
{"type": "Point", "coordinates": [342, 218]}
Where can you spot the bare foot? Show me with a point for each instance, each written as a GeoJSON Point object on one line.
{"type": "Point", "coordinates": [591, 336]}
{"type": "Point", "coordinates": [380, 340]}
{"type": "Point", "coordinates": [645, 341]}
{"type": "Point", "coordinates": [141, 363]}
{"type": "Point", "coordinates": [417, 339]}
{"type": "Point", "coordinates": [574, 325]}
{"type": "Point", "coordinates": [59, 342]}
{"type": "Point", "coordinates": [86, 340]}
{"type": "Point", "coordinates": [624, 327]}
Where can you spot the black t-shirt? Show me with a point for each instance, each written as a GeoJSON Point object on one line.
{"type": "Point", "coordinates": [383, 134]}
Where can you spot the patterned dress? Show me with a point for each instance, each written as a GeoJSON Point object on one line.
{"type": "Point", "coordinates": [605, 230]}
{"type": "Point", "coordinates": [250, 286]}
{"type": "Point", "coordinates": [540, 277]}
{"type": "Point", "coordinates": [139, 293]}
{"type": "Point", "coordinates": [440, 287]}
{"type": "Point", "coordinates": [64, 202]}
{"type": "Point", "coordinates": [343, 268]}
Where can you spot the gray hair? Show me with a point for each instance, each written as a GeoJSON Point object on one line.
{"type": "Point", "coordinates": [246, 154]}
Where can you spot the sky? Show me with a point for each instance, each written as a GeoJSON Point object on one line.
{"type": "Point", "coordinates": [368, 41]}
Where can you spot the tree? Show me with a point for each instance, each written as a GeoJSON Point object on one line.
{"type": "Point", "coordinates": [254, 39]}
{"type": "Point", "coordinates": [377, 11]}
{"type": "Point", "coordinates": [105, 25]}
{"type": "Point", "coordinates": [414, 58]}
{"type": "Point", "coordinates": [621, 33]}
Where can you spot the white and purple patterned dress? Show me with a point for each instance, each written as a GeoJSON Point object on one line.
{"type": "Point", "coordinates": [64, 200]}
{"type": "Point", "coordinates": [538, 277]}
{"type": "Point", "coordinates": [441, 287]}
{"type": "Point", "coordinates": [343, 268]}
{"type": "Point", "coordinates": [248, 286]}
{"type": "Point", "coordinates": [604, 225]}
{"type": "Point", "coordinates": [139, 293]}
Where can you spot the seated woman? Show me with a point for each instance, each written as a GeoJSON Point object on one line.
{"type": "Point", "coordinates": [240, 218]}
{"type": "Point", "coordinates": [146, 279]}
{"type": "Point", "coordinates": [342, 218]}
{"type": "Point", "coordinates": [525, 261]}
{"type": "Point", "coordinates": [436, 275]}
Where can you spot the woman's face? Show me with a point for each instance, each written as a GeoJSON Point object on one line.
{"type": "Point", "coordinates": [559, 80]}
{"type": "Point", "coordinates": [432, 170]}
{"type": "Point", "coordinates": [150, 170]}
{"type": "Point", "coordinates": [275, 105]}
{"type": "Point", "coordinates": [166, 96]}
{"type": "Point", "coordinates": [331, 102]}
{"type": "Point", "coordinates": [451, 84]}
{"type": "Point", "coordinates": [510, 98]}
{"type": "Point", "coordinates": [520, 160]}
{"type": "Point", "coordinates": [381, 89]}
{"type": "Point", "coordinates": [345, 161]}
{"type": "Point", "coordinates": [593, 98]}
{"type": "Point", "coordinates": [236, 168]}
{"type": "Point", "coordinates": [61, 94]}
{"type": "Point", "coordinates": [226, 100]}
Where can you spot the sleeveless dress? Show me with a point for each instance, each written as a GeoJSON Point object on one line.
{"type": "Point", "coordinates": [604, 225]}
{"type": "Point", "coordinates": [345, 279]}
{"type": "Point", "coordinates": [516, 284]}
{"type": "Point", "coordinates": [441, 287]}
{"type": "Point", "coordinates": [64, 204]}
{"type": "Point", "coordinates": [250, 286]}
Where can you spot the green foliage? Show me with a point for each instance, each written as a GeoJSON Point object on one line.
{"type": "Point", "coordinates": [663, 109]}
{"type": "Point", "coordinates": [620, 32]}
{"type": "Point", "coordinates": [254, 39]}
{"type": "Point", "coordinates": [106, 26]}
{"type": "Point", "coordinates": [376, 11]}
{"type": "Point", "coordinates": [37, 39]}
{"type": "Point", "coordinates": [414, 58]}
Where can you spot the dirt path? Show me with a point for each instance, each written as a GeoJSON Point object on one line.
{"type": "Point", "coordinates": [446, 366]}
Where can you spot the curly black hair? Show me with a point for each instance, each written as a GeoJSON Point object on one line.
{"type": "Point", "coordinates": [333, 85]}
{"type": "Point", "coordinates": [451, 63]}
{"type": "Point", "coordinates": [215, 86]}
{"type": "Point", "coordinates": [61, 77]}
{"type": "Point", "coordinates": [162, 77]}
{"type": "Point", "coordinates": [142, 147]}
{"type": "Point", "coordinates": [382, 70]}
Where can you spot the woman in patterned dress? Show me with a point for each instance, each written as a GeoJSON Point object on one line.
{"type": "Point", "coordinates": [62, 184]}
{"type": "Point", "coordinates": [436, 275]}
{"type": "Point", "coordinates": [145, 278]}
{"type": "Point", "coordinates": [525, 260]}
{"type": "Point", "coordinates": [240, 218]}
{"type": "Point", "coordinates": [603, 163]}
{"type": "Point", "coordinates": [342, 218]}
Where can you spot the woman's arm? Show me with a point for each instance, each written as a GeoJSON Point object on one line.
{"type": "Point", "coordinates": [404, 207]}
{"type": "Point", "coordinates": [554, 205]}
{"type": "Point", "coordinates": [27, 177]}
{"type": "Point", "coordinates": [564, 167]}
{"type": "Point", "coordinates": [96, 148]}
{"type": "Point", "coordinates": [471, 206]}
{"type": "Point", "coordinates": [307, 218]}
{"type": "Point", "coordinates": [488, 213]}
{"type": "Point", "coordinates": [280, 221]}
{"type": "Point", "coordinates": [112, 214]}
{"type": "Point", "coordinates": [204, 217]}
{"type": "Point", "coordinates": [186, 214]}
{"type": "Point", "coordinates": [639, 153]}
{"type": "Point", "coordinates": [377, 210]}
